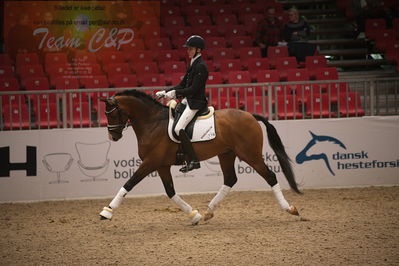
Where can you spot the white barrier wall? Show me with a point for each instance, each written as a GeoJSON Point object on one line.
{"type": "Point", "coordinates": [83, 163]}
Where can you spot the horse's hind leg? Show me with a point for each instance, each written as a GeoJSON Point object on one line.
{"type": "Point", "coordinates": [259, 165]}
{"type": "Point", "coordinates": [230, 178]}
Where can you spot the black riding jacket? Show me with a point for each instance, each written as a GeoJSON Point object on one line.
{"type": "Point", "coordinates": [193, 85]}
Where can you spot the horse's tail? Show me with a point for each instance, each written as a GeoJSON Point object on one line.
{"type": "Point", "coordinates": [278, 148]}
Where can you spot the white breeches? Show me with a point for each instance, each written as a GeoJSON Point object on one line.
{"type": "Point", "coordinates": [186, 117]}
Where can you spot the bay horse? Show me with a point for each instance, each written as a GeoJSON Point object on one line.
{"type": "Point", "coordinates": [238, 134]}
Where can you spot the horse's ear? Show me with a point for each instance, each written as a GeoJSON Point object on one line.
{"type": "Point", "coordinates": [103, 99]}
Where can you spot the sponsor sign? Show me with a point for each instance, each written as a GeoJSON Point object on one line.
{"type": "Point", "coordinates": [36, 165]}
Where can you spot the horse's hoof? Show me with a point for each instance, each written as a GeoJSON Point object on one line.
{"type": "Point", "coordinates": [196, 217]}
{"type": "Point", "coordinates": [106, 214]}
{"type": "Point", "coordinates": [292, 210]}
{"type": "Point", "coordinates": [208, 216]}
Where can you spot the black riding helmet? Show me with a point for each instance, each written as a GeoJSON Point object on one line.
{"type": "Point", "coordinates": [195, 41]}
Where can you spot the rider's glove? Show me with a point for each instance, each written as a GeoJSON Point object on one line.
{"type": "Point", "coordinates": [170, 94]}
{"type": "Point", "coordinates": [160, 94]}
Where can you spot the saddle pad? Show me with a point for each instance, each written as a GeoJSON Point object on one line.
{"type": "Point", "coordinates": [204, 129]}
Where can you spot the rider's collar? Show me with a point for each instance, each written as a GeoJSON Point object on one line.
{"type": "Point", "coordinates": [195, 58]}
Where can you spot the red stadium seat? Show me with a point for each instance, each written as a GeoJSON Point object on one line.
{"type": "Point", "coordinates": [150, 80]}
{"type": "Point", "coordinates": [136, 44]}
{"type": "Point", "coordinates": [81, 115]}
{"type": "Point", "coordinates": [94, 82]}
{"type": "Point", "coordinates": [173, 67]}
{"type": "Point", "coordinates": [250, 21]}
{"type": "Point", "coordinates": [117, 69]}
{"type": "Point", "coordinates": [9, 84]}
{"type": "Point", "coordinates": [60, 70]}
{"type": "Point", "coordinates": [214, 78]}
{"type": "Point", "coordinates": [55, 59]}
{"type": "Point", "coordinates": [82, 58]}
{"type": "Point", "coordinates": [88, 69]}
{"type": "Point", "coordinates": [178, 31]}
{"type": "Point", "coordinates": [350, 105]}
{"type": "Point", "coordinates": [295, 74]}
{"type": "Point", "coordinates": [173, 20]}
{"type": "Point", "coordinates": [6, 72]}
{"type": "Point", "coordinates": [277, 51]}
{"type": "Point", "coordinates": [327, 73]}
{"type": "Point", "coordinates": [256, 64]}
{"type": "Point", "coordinates": [16, 116]}
{"type": "Point", "coordinates": [318, 106]}
{"type": "Point", "coordinates": [168, 55]}
{"type": "Point", "coordinates": [27, 59]}
{"type": "Point", "coordinates": [206, 31]}
{"type": "Point", "coordinates": [226, 19]}
{"type": "Point", "coordinates": [194, 10]}
{"type": "Point", "coordinates": [247, 53]}
{"type": "Point", "coordinates": [199, 20]}
{"type": "Point", "coordinates": [36, 83]}
{"type": "Point", "coordinates": [159, 44]}
{"type": "Point", "coordinates": [288, 107]}
{"type": "Point", "coordinates": [111, 57]}
{"type": "Point", "coordinates": [237, 42]}
{"type": "Point", "coordinates": [145, 68]}
{"type": "Point", "coordinates": [215, 42]}
{"type": "Point", "coordinates": [123, 81]}
{"type": "Point", "coordinates": [233, 30]}
{"type": "Point", "coordinates": [267, 76]}
{"type": "Point", "coordinates": [5, 60]}
{"type": "Point", "coordinates": [257, 105]}
{"type": "Point", "coordinates": [312, 63]}
{"type": "Point", "coordinates": [221, 53]}
{"type": "Point", "coordinates": [139, 56]}
{"type": "Point", "coordinates": [30, 71]}
{"type": "Point", "coordinates": [282, 64]}
{"type": "Point", "coordinates": [47, 117]}
{"type": "Point", "coordinates": [66, 83]}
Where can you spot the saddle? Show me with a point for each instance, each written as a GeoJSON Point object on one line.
{"type": "Point", "coordinates": [200, 128]}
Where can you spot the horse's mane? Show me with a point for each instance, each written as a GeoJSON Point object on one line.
{"type": "Point", "coordinates": [141, 95]}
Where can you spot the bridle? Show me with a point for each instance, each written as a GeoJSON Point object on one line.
{"type": "Point", "coordinates": [118, 126]}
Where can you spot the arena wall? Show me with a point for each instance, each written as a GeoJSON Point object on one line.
{"type": "Point", "coordinates": [82, 163]}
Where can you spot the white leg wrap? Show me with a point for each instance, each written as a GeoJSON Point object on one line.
{"type": "Point", "coordinates": [222, 193]}
{"type": "Point", "coordinates": [280, 198]}
{"type": "Point", "coordinates": [118, 198]}
{"type": "Point", "coordinates": [182, 204]}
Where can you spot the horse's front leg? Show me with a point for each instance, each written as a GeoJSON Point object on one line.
{"type": "Point", "coordinates": [142, 171]}
{"type": "Point", "coordinates": [167, 181]}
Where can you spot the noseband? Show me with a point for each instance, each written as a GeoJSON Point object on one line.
{"type": "Point", "coordinates": [114, 127]}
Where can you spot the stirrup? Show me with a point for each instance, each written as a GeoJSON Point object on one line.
{"type": "Point", "coordinates": [190, 166]}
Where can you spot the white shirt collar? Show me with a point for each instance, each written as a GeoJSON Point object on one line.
{"type": "Point", "coordinates": [194, 58]}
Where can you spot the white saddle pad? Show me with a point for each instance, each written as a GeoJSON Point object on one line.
{"type": "Point", "coordinates": [204, 128]}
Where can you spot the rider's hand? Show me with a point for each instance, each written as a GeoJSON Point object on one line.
{"type": "Point", "coordinates": [170, 94]}
{"type": "Point", "coordinates": [160, 94]}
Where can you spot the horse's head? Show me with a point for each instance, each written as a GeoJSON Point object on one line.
{"type": "Point", "coordinates": [117, 118]}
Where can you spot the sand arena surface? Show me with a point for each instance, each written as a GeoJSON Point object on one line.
{"type": "Point", "coordinates": [358, 226]}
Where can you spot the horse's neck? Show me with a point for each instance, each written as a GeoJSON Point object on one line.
{"type": "Point", "coordinates": [146, 123]}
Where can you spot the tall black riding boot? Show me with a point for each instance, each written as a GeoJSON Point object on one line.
{"type": "Point", "coordinates": [188, 149]}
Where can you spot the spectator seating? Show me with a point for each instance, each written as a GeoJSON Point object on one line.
{"type": "Point", "coordinates": [47, 117]}
{"type": "Point", "coordinates": [16, 116]}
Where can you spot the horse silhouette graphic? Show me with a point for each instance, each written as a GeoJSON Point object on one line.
{"type": "Point", "coordinates": [303, 157]}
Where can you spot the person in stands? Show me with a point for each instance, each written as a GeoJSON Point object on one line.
{"type": "Point", "coordinates": [269, 31]}
{"type": "Point", "coordinates": [192, 90]}
{"type": "Point", "coordinates": [296, 34]}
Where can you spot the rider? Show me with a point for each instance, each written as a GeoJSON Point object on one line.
{"type": "Point", "coordinates": [192, 90]}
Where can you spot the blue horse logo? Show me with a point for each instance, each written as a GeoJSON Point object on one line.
{"type": "Point", "coordinates": [303, 157]}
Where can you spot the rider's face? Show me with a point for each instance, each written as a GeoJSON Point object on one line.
{"type": "Point", "coordinates": [191, 51]}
